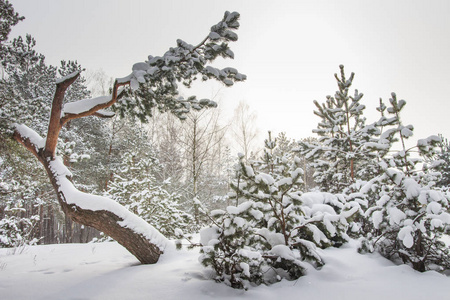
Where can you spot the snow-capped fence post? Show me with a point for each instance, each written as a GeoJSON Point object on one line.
{"type": "Point", "coordinates": [152, 84]}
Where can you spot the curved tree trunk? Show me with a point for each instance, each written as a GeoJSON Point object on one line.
{"type": "Point", "coordinates": [115, 222]}
{"type": "Point", "coordinates": [185, 63]}
{"type": "Point", "coordinates": [101, 213]}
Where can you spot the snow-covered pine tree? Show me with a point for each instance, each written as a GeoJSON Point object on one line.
{"type": "Point", "coordinates": [442, 162]}
{"type": "Point", "coordinates": [27, 85]}
{"type": "Point", "coordinates": [227, 246]}
{"type": "Point", "coordinates": [134, 186]}
{"type": "Point", "coordinates": [151, 84]}
{"type": "Point", "coordinates": [408, 213]}
{"type": "Point", "coordinates": [16, 231]}
{"type": "Point", "coordinates": [16, 218]}
{"type": "Point", "coordinates": [25, 82]}
{"type": "Point", "coordinates": [338, 157]}
{"type": "Point", "coordinates": [26, 88]}
{"type": "Point", "coordinates": [277, 227]}
{"type": "Point", "coordinates": [23, 197]}
{"type": "Point", "coordinates": [8, 19]}
{"type": "Point", "coordinates": [74, 146]}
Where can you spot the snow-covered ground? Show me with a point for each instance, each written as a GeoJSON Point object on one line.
{"type": "Point", "coordinates": [108, 271]}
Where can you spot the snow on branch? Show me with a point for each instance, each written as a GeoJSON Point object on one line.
{"type": "Point", "coordinates": [29, 134]}
{"type": "Point", "coordinates": [183, 62]}
{"type": "Point", "coordinates": [84, 106]}
{"type": "Point", "coordinates": [103, 113]}
{"type": "Point", "coordinates": [155, 81]}
{"type": "Point", "coordinates": [92, 106]}
{"type": "Point", "coordinates": [125, 80]}
{"type": "Point", "coordinates": [68, 77]}
{"type": "Point", "coordinates": [81, 200]}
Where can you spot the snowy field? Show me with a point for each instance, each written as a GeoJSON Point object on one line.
{"type": "Point", "coordinates": [108, 271]}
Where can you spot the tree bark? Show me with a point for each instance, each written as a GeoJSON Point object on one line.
{"type": "Point", "coordinates": [103, 220]}
{"type": "Point", "coordinates": [107, 221]}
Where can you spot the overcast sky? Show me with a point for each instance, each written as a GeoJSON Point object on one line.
{"type": "Point", "coordinates": [288, 49]}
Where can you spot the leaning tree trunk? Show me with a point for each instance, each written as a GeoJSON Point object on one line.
{"type": "Point", "coordinates": [101, 213]}
{"type": "Point", "coordinates": [183, 63]}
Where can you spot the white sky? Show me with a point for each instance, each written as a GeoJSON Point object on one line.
{"type": "Point", "coordinates": [288, 49]}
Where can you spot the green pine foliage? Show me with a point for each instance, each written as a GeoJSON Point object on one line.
{"type": "Point", "coordinates": [405, 208]}
{"type": "Point", "coordinates": [225, 247]}
{"type": "Point", "coordinates": [8, 18]}
{"type": "Point", "coordinates": [275, 230]}
{"type": "Point", "coordinates": [441, 162]}
{"type": "Point", "coordinates": [16, 231]}
{"type": "Point", "coordinates": [22, 195]}
{"type": "Point", "coordinates": [154, 83]}
{"type": "Point", "coordinates": [408, 213]}
{"type": "Point", "coordinates": [134, 186]}
{"type": "Point", "coordinates": [338, 157]}
{"type": "Point", "coordinates": [27, 88]}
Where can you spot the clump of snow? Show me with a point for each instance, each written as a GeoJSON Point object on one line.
{"type": "Point", "coordinates": [71, 75]}
{"type": "Point", "coordinates": [30, 134]}
{"type": "Point", "coordinates": [283, 251]}
{"type": "Point", "coordinates": [207, 234]}
{"type": "Point", "coordinates": [318, 235]}
{"type": "Point", "coordinates": [434, 208]}
{"type": "Point", "coordinates": [246, 268]}
{"type": "Point", "coordinates": [377, 146]}
{"type": "Point", "coordinates": [406, 132]}
{"type": "Point", "coordinates": [217, 212]}
{"type": "Point", "coordinates": [429, 140]}
{"type": "Point", "coordinates": [240, 222]}
{"type": "Point", "coordinates": [106, 113]}
{"type": "Point", "coordinates": [84, 105]}
{"type": "Point", "coordinates": [396, 215]}
{"type": "Point", "coordinates": [412, 188]}
{"type": "Point", "coordinates": [264, 178]}
{"type": "Point", "coordinates": [405, 235]}
{"type": "Point", "coordinates": [377, 218]}
{"type": "Point", "coordinates": [273, 238]}
{"type": "Point", "coordinates": [236, 210]}
{"type": "Point", "coordinates": [249, 171]}
{"type": "Point", "coordinates": [124, 79]}
{"type": "Point", "coordinates": [436, 223]}
{"type": "Point", "coordinates": [141, 66]}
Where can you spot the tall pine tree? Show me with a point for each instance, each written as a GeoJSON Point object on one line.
{"type": "Point", "coordinates": [277, 227]}
{"type": "Point", "coordinates": [338, 157]}
{"type": "Point", "coordinates": [408, 213]}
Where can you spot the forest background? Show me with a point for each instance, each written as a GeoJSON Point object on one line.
{"type": "Point", "coordinates": [189, 165]}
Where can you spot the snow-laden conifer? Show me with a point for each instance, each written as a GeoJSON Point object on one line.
{"type": "Point", "coordinates": [441, 162]}
{"type": "Point", "coordinates": [276, 228]}
{"type": "Point", "coordinates": [134, 186]}
{"type": "Point", "coordinates": [151, 84]}
{"type": "Point", "coordinates": [408, 214]}
{"type": "Point", "coordinates": [338, 157]}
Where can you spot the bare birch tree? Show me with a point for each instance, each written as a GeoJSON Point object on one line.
{"type": "Point", "coordinates": [244, 130]}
